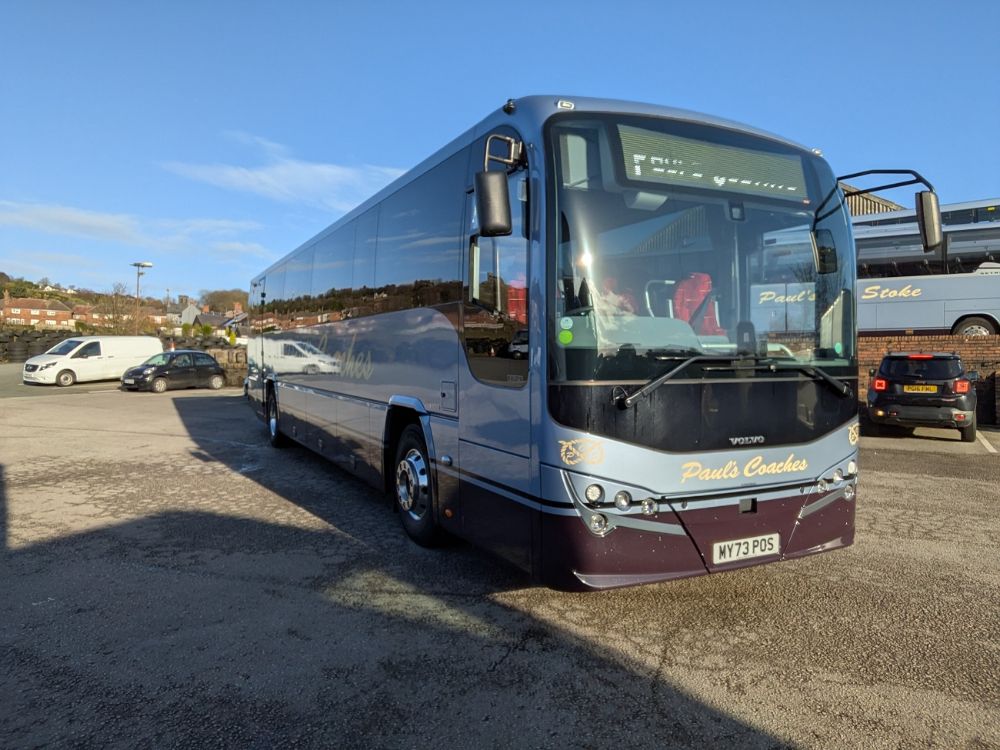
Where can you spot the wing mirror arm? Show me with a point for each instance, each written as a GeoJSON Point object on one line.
{"type": "Point", "coordinates": [927, 204]}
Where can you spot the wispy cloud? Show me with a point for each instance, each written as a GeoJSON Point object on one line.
{"type": "Point", "coordinates": [284, 178]}
{"type": "Point", "coordinates": [77, 222]}
{"type": "Point", "coordinates": [165, 235]}
{"type": "Point", "coordinates": [243, 249]}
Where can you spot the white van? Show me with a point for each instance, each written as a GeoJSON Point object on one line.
{"type": "Point", "coordinates": [287, 356]}
{"type": "Point", "coordinates": [84, 358]}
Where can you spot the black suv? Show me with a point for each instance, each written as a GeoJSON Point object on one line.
{"type": "Point", "coordinates": [917, 389]}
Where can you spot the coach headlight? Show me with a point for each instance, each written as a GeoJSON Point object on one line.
{"type": "Point", "coordinates": [594, 493]}
{"type": "Point", "coordinates": [850, 491]}
{"type": "Point", "coordinates": [623, 500]}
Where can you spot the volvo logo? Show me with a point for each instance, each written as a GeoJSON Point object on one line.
{"type": "Point", "coordinates": [747, 440]}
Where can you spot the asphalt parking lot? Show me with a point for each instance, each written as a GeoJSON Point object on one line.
{"type": "Point", "coordinates": [168, 579]}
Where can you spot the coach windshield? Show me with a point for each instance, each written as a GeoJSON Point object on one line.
{"type": "Point", "coordinates": [674, 239]}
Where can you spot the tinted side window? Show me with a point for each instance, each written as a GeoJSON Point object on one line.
{"type": "Point", "coordinates": [968, 249]}
{"type": "Point", "coordinates": [204, 360]}
{"type": "Point", "coordinates": [182, 360]}
{"type": "Point", "coordinates": [895, 256]}
{"type": "Point", "coordinates": [90, 349]}
{"type": "Point", "coordinates": [365, 239]}
{"type": "Point", "coordinates": [273, 310]}
{"type": "Point", "coordinates": [419, 240]}
{"type": "Point", "coordinates": [333, 273]}
{"type": "Point", "coordinates": [297, 303]}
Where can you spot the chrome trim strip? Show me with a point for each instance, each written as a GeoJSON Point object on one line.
{"type": "Point", "coordinates": [808, 510]}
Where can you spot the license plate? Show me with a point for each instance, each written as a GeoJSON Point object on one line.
{"type": "Point", "coordinates": [129, 381]}
{"type": "Point", "coordinates": [745, 549]}
{"type": "Point", "coordinates": [920, 389]}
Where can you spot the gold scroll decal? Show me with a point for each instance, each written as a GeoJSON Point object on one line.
{"type": "Point", "coordinates": [755, 467]}
{"type": "Point", "coordinates": [877, 291]}
{"type": "Point", "coordinates": [582, 450]}
{"type": "Point", "coordinates": [853, 432]}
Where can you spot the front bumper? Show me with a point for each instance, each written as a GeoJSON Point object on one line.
{"type": "Point", "coordinates": [139, 382]}
{"type": "Point", "coordinates": [40, 377]}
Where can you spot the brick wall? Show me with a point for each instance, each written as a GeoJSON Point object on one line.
{"type": "Point", "coordinates": [980, 353]}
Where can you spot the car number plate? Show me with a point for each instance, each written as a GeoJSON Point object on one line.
{"type": "Point", "coordinates": [129, 381]}
{"type": "Point", "coordinates": [919, 389]}
{"type": "Point", "coordinates": [745, 549]}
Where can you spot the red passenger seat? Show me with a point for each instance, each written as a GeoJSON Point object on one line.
{"type": "Point", "coordinates": [694, 303]}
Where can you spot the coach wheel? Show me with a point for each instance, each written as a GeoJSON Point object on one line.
{"type": "Point", "coordinates": [274, 433]}
{"type": "Point", "coordinates": [65, 378]}
{"type": "Point", "coordinates": [975, 327]}
{"type": "Point", "coordinates": [414, 496]}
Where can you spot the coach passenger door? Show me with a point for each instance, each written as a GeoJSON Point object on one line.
{"type": "Point", "coordinates": [494, 399]}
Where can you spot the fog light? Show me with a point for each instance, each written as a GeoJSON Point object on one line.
{"type": "Point", "coordinates": [822, 485]}
{"type": "Point", "coordinates": [623, 500]}
{"type": "Point", "coordinates": [838, 476]}
{"type": "Point", "coordinates": [594, 493]}
{"type": "Point", "coordinates": [849, 492]}
{"type": "Point", "coordinates": [648, 506]}
{"type": "Point", "coordinates": [598, 523]}
{"type": "Point", "coordinates": [852, 468]}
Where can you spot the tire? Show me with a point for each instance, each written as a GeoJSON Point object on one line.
{"type": "Point", "coordinates": [975, 326]}
{"type": "Point", "coordinates": [65, 378]}
{"type": "Point", "coordinates": [411, 487]}
{"type": "Point", "coordinates": [275, 436]}
{"type": "Point", "coordinates": [159, 385]}
{"type": "Point", "coordinates": [969, 433]}
{"type": "Point", "coordinates": [216, 382]}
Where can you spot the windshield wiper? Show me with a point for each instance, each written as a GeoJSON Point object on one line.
{"type": "Point", "coordinates": [816, 373]}
{"type": "Point", "coordinates": [624, 402]}
{"type": "Point", "coordinates": [737, 362]}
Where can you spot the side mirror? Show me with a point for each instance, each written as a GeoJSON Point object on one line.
{"type": "Point", "coordinates": [972, 376]}
{"type": "Point", "coordinates": [493, 204]}
{"type": "Point", "coordinates": [929, 220]}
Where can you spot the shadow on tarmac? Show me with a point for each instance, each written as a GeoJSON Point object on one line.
{"type": "Point", "coordinates": [200, 629]}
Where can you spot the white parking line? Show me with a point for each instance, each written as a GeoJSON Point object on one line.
{"type": "Point", "coordinates": [986, 443]}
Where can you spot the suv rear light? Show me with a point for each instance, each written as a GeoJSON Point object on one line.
{"type": "Point", "coordinates": [962, 386]}
{"type": "Point", "coordinates": [880, 384]}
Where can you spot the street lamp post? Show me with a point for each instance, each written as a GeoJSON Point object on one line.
{"type": "Point", "coordinates": [139, 265]}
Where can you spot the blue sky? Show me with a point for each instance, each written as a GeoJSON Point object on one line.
{"type": "Point", "coordinates": [210, 138]}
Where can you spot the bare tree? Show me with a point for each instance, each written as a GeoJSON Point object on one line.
{"type": "Point", "coordinates": [118, 309]}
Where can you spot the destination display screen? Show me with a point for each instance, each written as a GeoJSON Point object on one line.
{"type": "Point", "coordinates": [651, 156]}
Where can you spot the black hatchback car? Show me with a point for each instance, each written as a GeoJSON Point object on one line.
{"type": "Point", "coordinates": [184, 368]}
{"type": "Point", "coordinates": [919, 389]}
